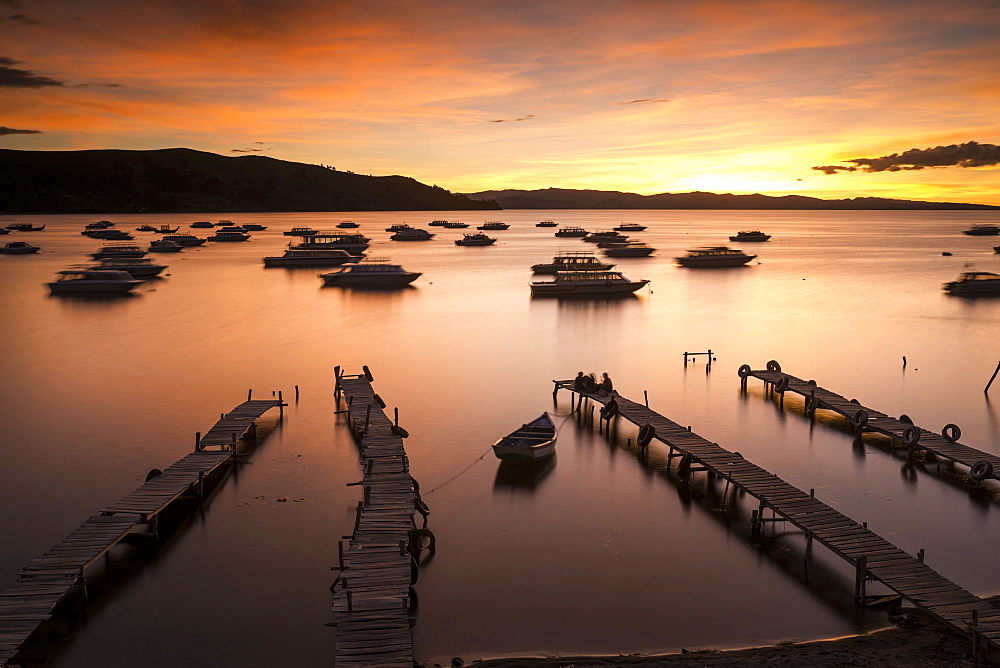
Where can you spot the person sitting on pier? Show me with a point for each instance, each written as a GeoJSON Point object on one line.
{"type": "Point", "coordinates": [606, 387]}
{"type": "Point", "coordinates": [589, 383]}
{"type": "Point", "coordinates": [578, 382]}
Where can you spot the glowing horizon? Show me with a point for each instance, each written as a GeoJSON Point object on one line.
{"type": "Point", "coordinates": [644, 97]}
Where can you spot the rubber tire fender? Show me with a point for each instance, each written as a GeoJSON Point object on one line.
{"type": "Point", "coordinates": [773, 366]}
{"type": "Point", "coordinates": [782, 384]}
{"type": "Point", "coordinates": [609, 410]}
{"type": "Point", "coordinates": [911, 435]}
{"type": "Point", "coordinates": [860, 418]}
{"type": "Point", "coordinates": [744, 371]}
{"type": "Point", "coordinates": [646, 434]}
{"type": "Point", "coordinates": [981, 470]}
{"type": "Point", "coordinates": [951, 432]}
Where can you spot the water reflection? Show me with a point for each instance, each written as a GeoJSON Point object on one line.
{"type": "Point", "coordinates": [95, 301]}
{"type": "Point", "coordinates": [522, 477]}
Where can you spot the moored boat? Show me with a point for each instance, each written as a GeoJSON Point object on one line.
{"type": "Point", "coordinates": [25, 227]}
{"type": "Point", "coordinates": [714, 256]}
{"type": "Point", "coordinates": [109, 235]}
{"type": "Point", "coordinates": [455, 225]}
{"type": "Point", "coordinates": [92, 281]}
{"type": "Point", "coordinates": [750, 235]}
{"type": "Point", "coordinates": [166, 229]}
{"type": "Point", "coordinates": [299, 232]}
{"type": "Point", "coordinates": [586, 283]}
{"type": "Point", "coordinates": [530, 442]}
{"type": "Point", "coordinates": [121, 250]}
{"type": "Point", "coordinates": [184, 239]}
{"type": "Point", "coordinates": [478, 239]}
{"type": "Point", "coordinates": [141, 228]}
{"type": "Point", "coordinates": [571, 261]}
{"type": "Point", "coordinates": [571, 232]}
{"type": "Point", "coordinates": [375, 273]}
{"type": "Point", "coordinates": [347, 224]}
{"type": "Point", "coordinates": [352, 242]}
{"type": "Point", "coordinates": [412, 234]}
{"type": "Point", "coordinates": [137, 267]}
{"type": "Point", "coordinates": [546, 223]}
{"type": "Point", "coordinates": [982, 230]}
{"type": "Point", "coordinates": [493, 225]}
{"type": "Point", "coordinates": [630, 227]}
{"type": "Point", "coordinates": [305, 257]}
{"type": "Point", "coordinates": [164, 246]}
{"type": "Point", "coordinates": [605, 235]}
{"type": "Point", "coordinates": [974, 283]}
{"type": "Point", "coordinates": [627, 249]}
{"type": "Point", "coordinates": [19, 248]}
{"type": "Point", "coordinates": [229, 235]}
{"type": "Point", "coordinates": [254, 227]}
{"type": "Point", "coordinates": [99, 225]}
{"type": "Point", "coordinates": [202, 224]}
{"type": "Point", "coordinates": [438, 223]}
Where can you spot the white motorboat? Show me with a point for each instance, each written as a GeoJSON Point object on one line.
{"type": "Point", "coordinates": [571, 261]}
{"type": "Point", "coordinates": [306, 257]}
{"type": "Point", "coordinates": [479, 239]}
{"type": "Point", "coordinates": [91, 281]}
{"type": "Point", "coordinates": [164, 246]}
{"type": "Point", "coordinates": [412, 234]}
{"type": "Point", "coordinates": [530, 442]}
{"type": "Point", "coordinates": [376, 272]}
{"type": "Point", "coordinates": [184, 239]}
{"type": "Point", "coordinates": [352, 242]}
{"type": "Point", "coordinates": [627, 249]}
{"type": "Point", "coordinates": [974, 283]}
{"type": "Point", "coordinates": [714, 256]}
{"type": "Point", "coordinates": [121, 250]}
{"type": "Point", "coordinates": [586, 283]}
{"type": "Point", "coordinates": [137, 267]}
{"type": "Point", "coordinates": [750, 235]}
{"type": "Point", "coordinates": [19, 248]}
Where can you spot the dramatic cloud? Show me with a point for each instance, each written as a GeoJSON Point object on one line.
{"type": "Point", "coordinates": [12, 77]}
{"type": "Point", "coordinates": [970, 154]}
{"type": "Point", "coordinates": [15, 131]}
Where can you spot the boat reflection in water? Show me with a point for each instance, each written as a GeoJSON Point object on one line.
{"type": "Point", "coordinates": [515, 476]}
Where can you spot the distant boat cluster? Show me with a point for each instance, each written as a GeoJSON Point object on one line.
{"type": "Point", "coordinates": [122, 267]}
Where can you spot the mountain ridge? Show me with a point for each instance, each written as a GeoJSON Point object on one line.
{"type": "Point", "coordinates": [182, 180]}
{"type": "Point", "coordinates": [565, 198]}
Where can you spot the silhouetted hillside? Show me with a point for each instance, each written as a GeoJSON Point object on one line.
{"type": "Point", "coordinates": [182, 180]}
{"type": "Point", "coordinates": [561, 198]}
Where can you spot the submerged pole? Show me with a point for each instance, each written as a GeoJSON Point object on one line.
{"type": "Point", "coordinates": [994, 377]}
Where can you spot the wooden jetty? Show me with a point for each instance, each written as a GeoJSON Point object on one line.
{"type": "Point", "coordinates": [982, 465]}
{"type": "Point", "coordinates": [44, 583]}
{"type": "Point", "coordinates": [371, 595]}
{"type": "Point", "coordinates": [873, 557]}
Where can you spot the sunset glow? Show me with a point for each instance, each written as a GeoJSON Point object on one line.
{"type": "Point", "coordinates": [641, 96]}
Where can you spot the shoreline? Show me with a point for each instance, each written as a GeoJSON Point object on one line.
{"type": "Point", "coordinates": [917, 640]}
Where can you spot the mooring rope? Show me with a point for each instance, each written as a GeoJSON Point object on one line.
{"type": "Point", "coordinates": [480, 458]}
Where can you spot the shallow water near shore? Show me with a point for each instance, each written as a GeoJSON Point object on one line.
{"type": "Point", "coordinates": [598, 551]}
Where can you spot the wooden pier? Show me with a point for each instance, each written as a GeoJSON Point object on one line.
{"type": "Point", "coordinates": [982, 465]}
{"type": "Point", "coordinates": [44, 583]}
{"type": "Point", "coordinates": [371, 595]}
{"type": "Point", "coordinates": [873, 557]}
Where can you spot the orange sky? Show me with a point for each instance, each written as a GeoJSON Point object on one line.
{"type": "Point", "coordinates": [646, 96]}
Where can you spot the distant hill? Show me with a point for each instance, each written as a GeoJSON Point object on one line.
{"type": "Point", "coordinates": [183, 180]}
{"type": "Point", "coordinates": [561, 198]}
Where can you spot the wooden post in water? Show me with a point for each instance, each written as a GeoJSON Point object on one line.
{"type": "Point", "coordinates": [249, 394]}
{"type": "Point", "coordinates": [296, 393]}
{"type": "Point", "coordinates": [645, 397]}
{"type": "Point", "coordinates": [197, 441]}
{"type": "Point", "coordinates": [281, 403]}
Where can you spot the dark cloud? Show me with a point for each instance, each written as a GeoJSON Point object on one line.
{"type": "Point", "coordinates": [23, 19]}
{"type": "Point", "coordinates": [645, 99]}
{"type": "Point", "coordinates": [12, 77]}
{"type": "Point", "coordinates": [14, 131]}
{"type": "Point", "coordinates": [513, 120]}
{"type": "Point", "coordinates": [970, 154]}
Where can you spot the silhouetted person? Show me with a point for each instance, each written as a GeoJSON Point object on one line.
{"type": "Point", "coordinates": [606, 386]}
{"type": "Point", "coordinates": [579, 381]}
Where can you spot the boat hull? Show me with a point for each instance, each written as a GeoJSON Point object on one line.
{"type": "Point", "coordinates": [599, 290]}
{"type": "Point", "coordinates": [519, 454]}
{"type": "Point", "coordinates": [91, 287]}
{"type": "Point", "coordinates": [709, 263]}
{"type": "Point", "coordinates": [347, 280]}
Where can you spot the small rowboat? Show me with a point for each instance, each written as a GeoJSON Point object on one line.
{"type": "Point", "coordinates": [531, 442]}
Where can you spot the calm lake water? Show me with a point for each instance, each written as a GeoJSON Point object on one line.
{"type": "Point", "coordinates": [597, 552]}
